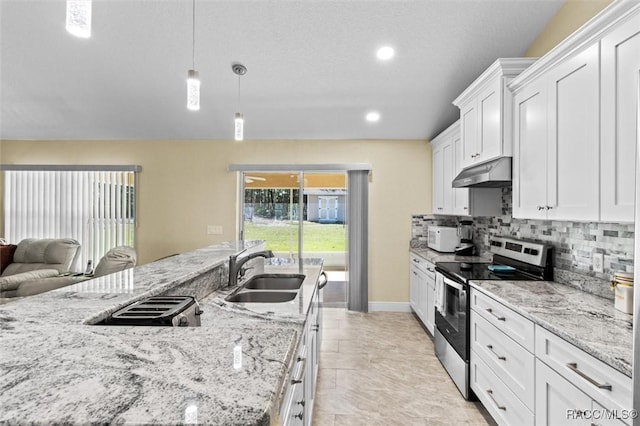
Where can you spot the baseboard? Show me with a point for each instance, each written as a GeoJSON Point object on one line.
{"type": "Point", "coordinates": [389, 307]}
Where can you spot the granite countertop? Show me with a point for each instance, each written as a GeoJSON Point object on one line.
{"type": "Point", "coordinates": [589, 322]}
{"type": "Point", "coordinates": [55, 367]}
{"type": "Point", "coordinates": [434, 256]}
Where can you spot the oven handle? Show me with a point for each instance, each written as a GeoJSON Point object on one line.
{"type": "Point", "coordinates": [454, 284]}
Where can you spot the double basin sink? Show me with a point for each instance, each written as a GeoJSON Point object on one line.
{"type": "Point", "coordinates": [268, 288]}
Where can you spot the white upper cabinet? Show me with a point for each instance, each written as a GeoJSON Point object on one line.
{"type": "Point", "coordinates": [447, 200]}
{"type": "Point", "coordinates": [530, 151]}
{"type": "Point", "coordinates": [575, 130]}
{"type": "Point", "coordinates": [620, 52]}
{"type": "Point", "coordinates": [460, 197]}
{"type": "Point", "coordinates": [485, 112]}
{"type": "Point", "coordinates": [572, 153]}
{"type": "Point", "coordinates": [444, 170]}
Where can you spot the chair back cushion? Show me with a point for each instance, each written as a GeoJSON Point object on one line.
{"type": "Point", "coordinates": [117, 259]}
{"type": "Point", "coordinates": [32, 254]}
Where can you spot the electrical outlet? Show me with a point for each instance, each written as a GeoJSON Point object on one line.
{"type": "Point", "coordinates": [598, 262]}
{"type": "Point", "coordinates": [214, 230]}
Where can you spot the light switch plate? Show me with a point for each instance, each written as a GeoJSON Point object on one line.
{"type": "Point", "coordinates": [598, 262]}
{"type": "Point", "coordinates": [214, 230]}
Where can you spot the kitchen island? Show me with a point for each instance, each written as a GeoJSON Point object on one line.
{"type": "Point", "coordinates": [56, 366]}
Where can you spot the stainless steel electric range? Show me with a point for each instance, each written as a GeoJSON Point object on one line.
{"type": "Point", "coordinates": [513, 260]}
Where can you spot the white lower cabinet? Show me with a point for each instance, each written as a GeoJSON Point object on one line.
{"type": "Point", "coordinates": [502, 368]}
{"type": "Point", "coordinates": [510, 361]}
{"type": "Point", "coordinates": [422, 290]}
{"type": "Point", "coordinates": [558, 402]}
{"type": "Point", "coordinates": [521, 372]}
{"type": "Point", "coordinates": [505, 408]}
{"type": "Point", "coordinates": [297, 406]}
{"type": "Point", "coordinates": [593, 377]}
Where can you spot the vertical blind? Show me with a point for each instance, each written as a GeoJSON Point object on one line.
{"type": "Point", "coordinates": [95, 207]}
{"type": "Point", "coordinates": [358, 240]}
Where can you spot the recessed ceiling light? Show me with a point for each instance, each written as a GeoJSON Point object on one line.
{"type": "Point", "coordinates": [385, 53]}
{"type": "Point", "coordinates": [372, 116]}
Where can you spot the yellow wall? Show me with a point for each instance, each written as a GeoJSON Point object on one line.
{"type": "Point", "coordinates": [185, 186]}
{"type": "Point", "coordinates": [571, 16]}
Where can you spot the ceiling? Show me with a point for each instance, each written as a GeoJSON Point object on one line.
{"type": "Point", "coordinates": [312, 69]}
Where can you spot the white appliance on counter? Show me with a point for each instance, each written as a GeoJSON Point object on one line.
{"type": "Point", "coordinates": [443, 238]}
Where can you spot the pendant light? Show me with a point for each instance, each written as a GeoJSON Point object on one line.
{"type": "Point", "coordinates": [193, 77]}
{"type": "Point", "coordinates": [79, 18]}
{"type": "Point", "coordinates": [239, 70]}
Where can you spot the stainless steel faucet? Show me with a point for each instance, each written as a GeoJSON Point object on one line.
{"type": "Point", "coordinates": [236, 263]}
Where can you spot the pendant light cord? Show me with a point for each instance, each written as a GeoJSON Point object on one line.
{"type": "Point", "coordinates": [193, 42]}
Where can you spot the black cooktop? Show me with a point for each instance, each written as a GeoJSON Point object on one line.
{"type": "Point", "coordinates": [479, 271]}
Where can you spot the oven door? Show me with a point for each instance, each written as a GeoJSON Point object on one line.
{"type": "Point", "coordinates": [451, 313]}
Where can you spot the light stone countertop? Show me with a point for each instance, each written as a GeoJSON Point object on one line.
{"type": "Point", "coordinates": [55, 367]}
{"type": "Point", "coordinates": [589, 322]}
{"type": "Point", "coordinates": [434, 256]}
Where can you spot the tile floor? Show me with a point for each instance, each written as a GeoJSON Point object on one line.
{"type": "Point", "coordinates": [379, 369]}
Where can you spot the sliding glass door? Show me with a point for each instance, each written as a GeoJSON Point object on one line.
{"type": "Point", "coordinates": [271, 211]}
{"type": "Point", "coordinates": [298, 214]}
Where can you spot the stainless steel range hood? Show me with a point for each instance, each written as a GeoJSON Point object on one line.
{"type": "Point", "coordinates": [493, 174]}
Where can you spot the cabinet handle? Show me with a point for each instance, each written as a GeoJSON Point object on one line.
{"type": "Point", "coordinates": [315, 327]}
{"type": "Point", "coordinates": [301, 402]}
{"type": "Point", "coordinates": [465, 208]}
{"type": "Point", "coordinates": [303, 370]}
{"type": "Point", "coordinates": [499, 318]}
{"type": "Point", "coordinates": [500, 407]}
{"type": "Point", "coordinates": [574, 367]}
{"type": "Point", "coordinates": [300, 415]}
{"type": "Point", "coordinates": [501, 358]}
{"type": "Point", "coordinates": [549, 207]}
{"type": "Point", "coordinates": [540, 207]}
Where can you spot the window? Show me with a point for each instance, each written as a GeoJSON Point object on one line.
{"type": "Point", "coordinates": [95, 205]}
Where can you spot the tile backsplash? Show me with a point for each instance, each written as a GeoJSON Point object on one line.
{"type": "Point", "coordinates": [574, 243]}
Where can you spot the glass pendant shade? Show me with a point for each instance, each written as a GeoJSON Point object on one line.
{"type": "Point", "coordinates": [193, 90]}
{"type": "Point", "coordinates": [239, 121]}
{"type": "Point", "coordinates": [79, 18]}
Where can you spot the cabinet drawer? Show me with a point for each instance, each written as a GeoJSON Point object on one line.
{"type": "Point", "coordinates": [605, 385]}
{"type": "Point", "coordinates": [511, 323]}
{"type": "Point", "coordinates": [510, 361]}
{"type": "Point", "coordinates": [423, 265]}
{"type": "Point", "coordinates": [500, 402]}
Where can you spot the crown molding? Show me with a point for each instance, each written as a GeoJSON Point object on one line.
{"type": "Point", "coordinates": [502, 67]}
{"type": "Point", "coordinates": [446, 133]}
{"type": "Point", "coordinates": [590, 32]}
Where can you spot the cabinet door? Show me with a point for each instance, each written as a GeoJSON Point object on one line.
{"type": "Point", "coordinates": [438, 180]}
{"type": "Point", "coordinates": [422, 297]}
{"type": "Point", "coordinates": [447, 178]}
{"type": "Point", "coordinates": [469, 133]}
{"type": "Point", "coordinates": [620, 75]}
{"type": "Point", "coordinates": [489, 144]}
{"type": "Point", "coordinates": [573, 188]}
{"type": "Point", "coordinates": [413, 288]}
{"type": "Point", "coordinates": [430, 311]}
{"type": "Point", "coordinates": [558, 402]}
{"type": "Point", "coordinates": [460, 198]}
{"type": "Point", "coordinates": [530, 151]}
